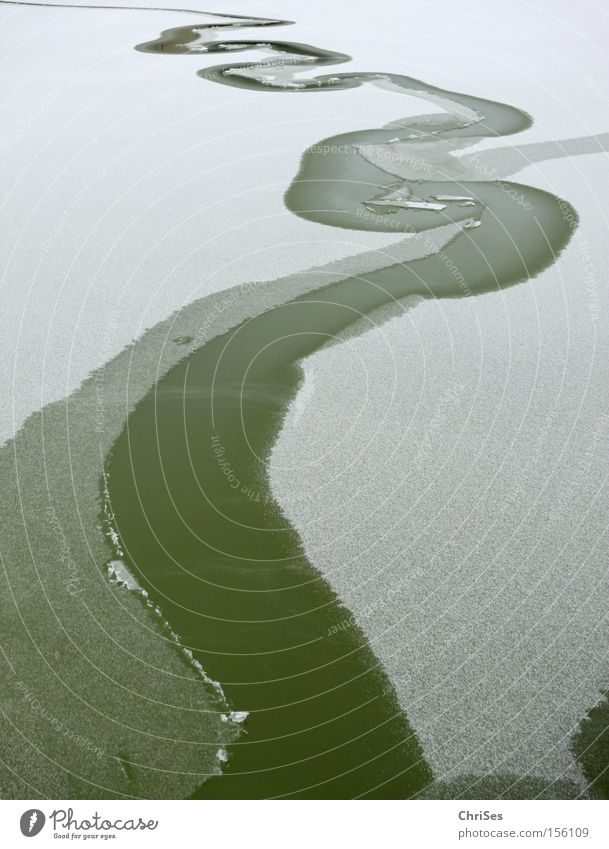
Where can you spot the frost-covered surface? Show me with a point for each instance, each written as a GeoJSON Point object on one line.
{"type": "Point", "coordinates": [99, 699]}
{"type": "Point", "coordinates": [77, 641]}
{"type": "Point", "coordinates": [122, 203]}
{"type": "Point", "coordinates": [448, 476]}
{"type": "Point", "coordinates": [133, 188]}
{"type": "Point", "coordinates": [447, 473]}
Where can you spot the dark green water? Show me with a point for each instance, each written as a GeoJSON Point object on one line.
{"type": "Point", "coordinates": [188, 479]}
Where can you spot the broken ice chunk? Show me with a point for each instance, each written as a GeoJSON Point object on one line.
{"type": "Point", "coordinates": [454, 198]}
{"type": "Point", "coordinates": [119, 572]}
{"type": "Point", "coordinates": [410, 204]}
{"type": "Point", "coordinates": [236, 716]}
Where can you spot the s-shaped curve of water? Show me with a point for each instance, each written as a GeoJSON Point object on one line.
{"type": "Point", "coordinates": [187, 480]}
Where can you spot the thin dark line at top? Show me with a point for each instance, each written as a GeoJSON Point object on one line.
{"type": "Point", "coordinates": [268, 21]}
